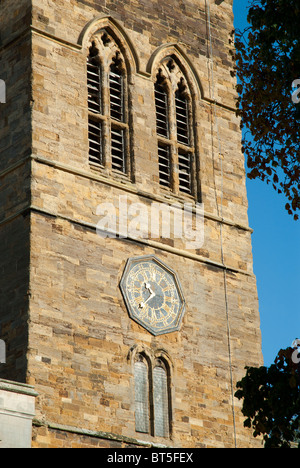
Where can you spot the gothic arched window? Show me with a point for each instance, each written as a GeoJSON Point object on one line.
{"type": "Point", "coordinates": [174, 126]}
{"type": "Point", "coordinates": [161, 400]}
{"type": "Point", "coordinates": [152, 396]}
{"type": "Point", "coordinates": [108, 126]}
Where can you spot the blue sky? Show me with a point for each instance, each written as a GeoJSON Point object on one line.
{"type": "Point", "coordinates": [276, 252]}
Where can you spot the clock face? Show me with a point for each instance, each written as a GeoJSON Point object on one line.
{"type": "Point", "coordinates": [153, 295]}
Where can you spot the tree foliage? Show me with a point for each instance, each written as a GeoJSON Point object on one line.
{"type": "Point", "coordinates": [267, 63]}
{"type": "Point", "coordinates": [271, 400]}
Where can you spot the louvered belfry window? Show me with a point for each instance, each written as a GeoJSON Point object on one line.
{"type": "Point", "coordinates": [108, 127]}
{"type": "Point", "coordinates": [94, 84]}
{"type": "Point", "coordinates": [174, 132]}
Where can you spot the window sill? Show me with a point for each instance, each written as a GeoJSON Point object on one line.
{"type": "Point", "coordinates": [178, 197]}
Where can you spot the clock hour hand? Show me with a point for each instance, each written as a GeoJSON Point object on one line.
{"type": "Point", "coordinates": [152, 294]}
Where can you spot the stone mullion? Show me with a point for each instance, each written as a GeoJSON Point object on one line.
{"type": "Point", "coordinates": [173, 143]}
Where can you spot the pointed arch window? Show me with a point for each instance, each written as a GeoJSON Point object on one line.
{"type": "Point", "coordinates": [152, 396]}
{"type": "Point", "coordinates": [161, 400]}
{"type": "Point", "coordinates": [174, 124]}
{"type": "Point", "coordinates": [108, 123]}
{"type": "Point", "coordinates": [141, 379]}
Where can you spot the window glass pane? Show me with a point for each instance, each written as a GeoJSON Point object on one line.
{"type": "Point", "coordinates": [161, 406]}
{"type": "Point", "coordinates": [141, 397]}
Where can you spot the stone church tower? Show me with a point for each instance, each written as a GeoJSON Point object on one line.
{"type": "Point", "coordinates": [128, 301]}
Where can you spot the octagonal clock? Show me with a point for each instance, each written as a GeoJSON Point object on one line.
{"type": "Point", "coordinates": [153, 294]}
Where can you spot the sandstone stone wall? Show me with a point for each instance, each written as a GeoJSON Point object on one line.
{"type": "Point", "coordinates": [78, 328]}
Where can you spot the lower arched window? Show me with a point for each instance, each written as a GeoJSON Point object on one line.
{"type": "Point", "coordinates": [152, 396]}
{"type": "Point", "coordinates": [161, 401]}
{"type": "Point", "coordinates": [141, 380]}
